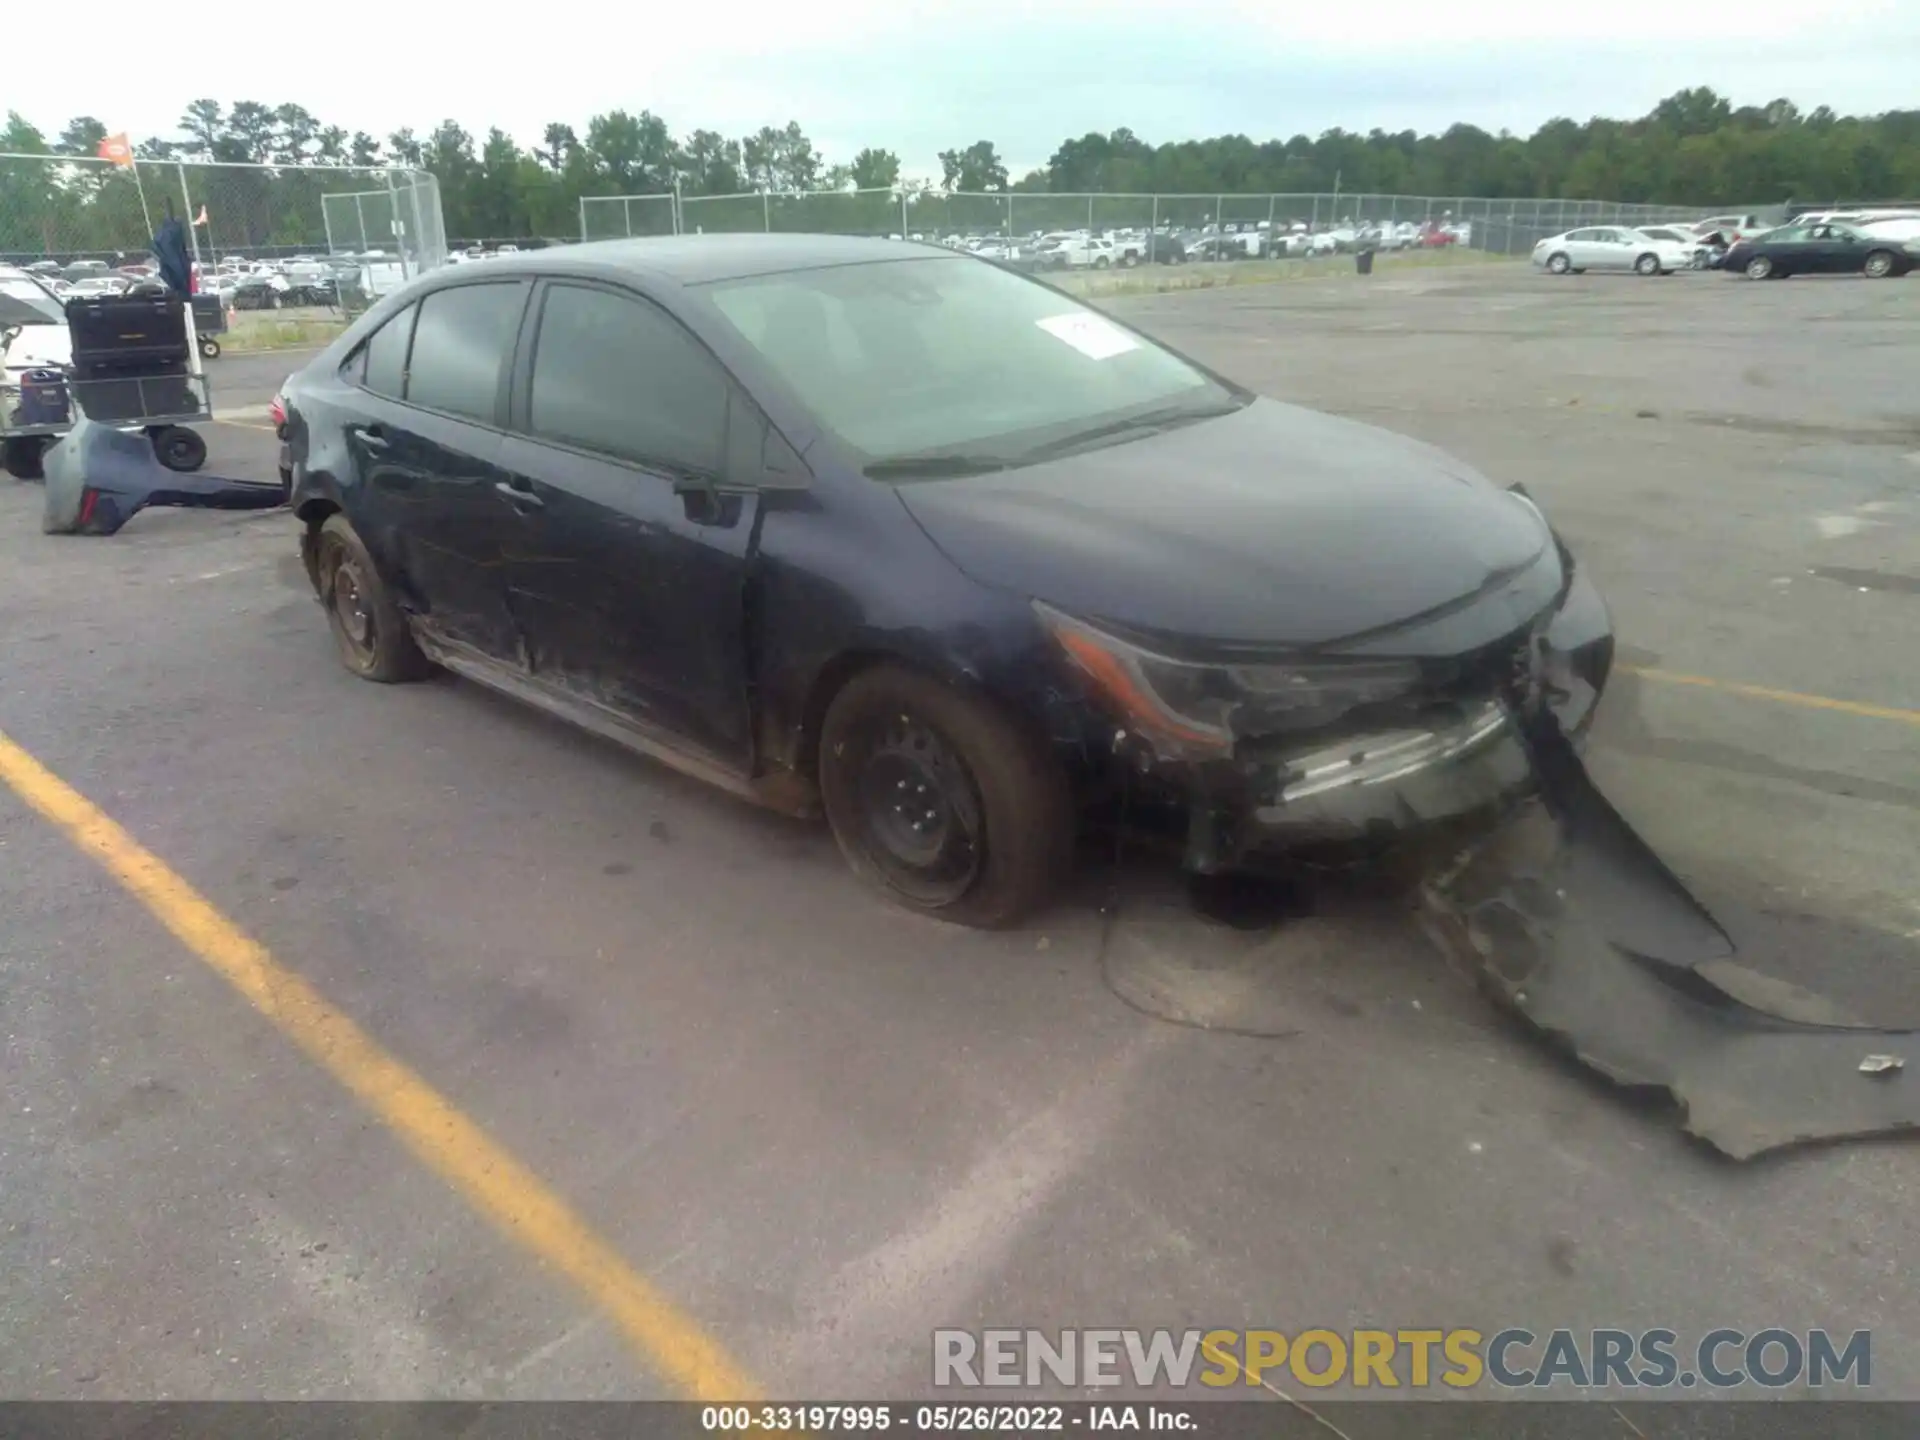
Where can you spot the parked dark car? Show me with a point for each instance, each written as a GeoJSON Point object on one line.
{"type": "Point", "coordinates": [1218, 247]}
{"type": "Point", "coordinates": [870, 528]}
{"type": "Point", "coordinates": [1164, 249]}
{"type": "Point", "coordinates": [1827, 249]}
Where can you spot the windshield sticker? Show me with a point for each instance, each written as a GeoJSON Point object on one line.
{"type": "Point", "coordinates": [1090, 335]}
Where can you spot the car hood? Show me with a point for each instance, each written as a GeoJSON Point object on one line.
{"type": "Point", "coordinates": [1273, 526]}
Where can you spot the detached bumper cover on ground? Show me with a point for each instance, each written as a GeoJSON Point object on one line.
{"type": "Point", "coordinates": [1574, 923]}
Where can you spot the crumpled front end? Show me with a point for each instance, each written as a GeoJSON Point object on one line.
{"type": "Point", "coordinates": [1389, 736]}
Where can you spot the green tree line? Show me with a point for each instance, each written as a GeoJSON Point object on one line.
{"type": "Point", "coordinates": [1693, 148]}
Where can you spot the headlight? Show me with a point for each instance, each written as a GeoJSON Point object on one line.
{"type": "Point", "coordinates": [1198, 708]}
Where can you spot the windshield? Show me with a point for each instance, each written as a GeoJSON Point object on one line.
{"type": "Point", "coordinates": [948, 356]}
{"type": "Point", "coordinates": [18, 295]}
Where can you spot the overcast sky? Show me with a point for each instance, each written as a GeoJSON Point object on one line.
{"type": "Point", "coordinates": [921, 77]}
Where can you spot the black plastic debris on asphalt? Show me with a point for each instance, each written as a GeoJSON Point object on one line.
{"type": "Point", "coordinates": [1573, 922]}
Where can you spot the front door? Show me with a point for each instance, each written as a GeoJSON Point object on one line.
{"type": "Point", "coordinates": [1832, 250]}
{"type": "Point", "coordinates": [626, 568]}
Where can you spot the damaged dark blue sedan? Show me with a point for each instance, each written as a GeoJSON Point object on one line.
{"type": "Point", "coordinates": [865, 527]}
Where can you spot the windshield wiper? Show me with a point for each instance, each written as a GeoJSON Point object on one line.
{"type": "Point", "coordinates": [1150, 422]}
{"type": "Point", "coordinates": [932, 467]}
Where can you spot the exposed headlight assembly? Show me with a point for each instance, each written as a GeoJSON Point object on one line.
{"type": "Point", "coordinates": [1196, 709]}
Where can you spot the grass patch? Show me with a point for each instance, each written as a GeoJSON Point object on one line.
{"type": "Point", "coordinates": [1161, 279]}
{"type": "Point", "coordinates": [252, 332]}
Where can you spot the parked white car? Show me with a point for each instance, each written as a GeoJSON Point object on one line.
{"type": "Point", "coordinates": [1611, 247]}
{"type": "Point", "coordinates": [1075, 252]}
{"type": "Point", "coordinates": [1904, 229]}
{"type": "Point", "coordinates": [1696, 252]}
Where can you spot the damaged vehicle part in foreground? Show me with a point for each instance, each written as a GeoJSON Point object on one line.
{"type": "Point", "coordinates": [99, 477]}
{"type": "Point", "coordinates": [869, 528]}
{"type": "Point", "coordinates": [1573, 923]}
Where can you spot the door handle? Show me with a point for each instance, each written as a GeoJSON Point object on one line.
{"type": "Point", "coordinates": [374, 438]}
{"type": "Point", "coordinates": [521, 499]}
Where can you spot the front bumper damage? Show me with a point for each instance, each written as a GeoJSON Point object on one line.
{"type": "Point", "coordinates": [1572, 922]}
{"type": "Point", "coordinates": [1384, 784]}
{"type": "Point", "coordinates": [1556, 905]}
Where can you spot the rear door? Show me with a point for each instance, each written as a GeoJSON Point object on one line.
{"type": "Point", "coordinates": [632, 469]}
{"type": "Point", "coordinates": [431, 461]}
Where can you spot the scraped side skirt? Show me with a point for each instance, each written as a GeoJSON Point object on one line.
{"type": "Point", "coordinates": [783, 791]}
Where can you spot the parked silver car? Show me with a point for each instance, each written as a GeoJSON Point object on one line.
{"type": "Point", "coordinates": [1611, 247]}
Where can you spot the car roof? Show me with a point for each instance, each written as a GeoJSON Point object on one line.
{"type": "Point", "coordinates": [703, 259]}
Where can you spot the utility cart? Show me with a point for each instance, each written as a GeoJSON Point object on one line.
{"type": "Point", "coordinates": [134, 365]}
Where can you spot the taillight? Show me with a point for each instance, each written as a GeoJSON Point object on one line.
{"type": "Point", "coordinates": [277, 412]}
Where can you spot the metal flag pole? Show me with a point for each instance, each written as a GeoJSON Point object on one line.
{"type": "Point", "coordinates": [140, 185]}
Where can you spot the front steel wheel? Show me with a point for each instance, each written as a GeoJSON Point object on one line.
{"type": "Point", "coordinates": [939, 800]}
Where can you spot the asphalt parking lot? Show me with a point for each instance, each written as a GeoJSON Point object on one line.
{"type": "Point", "coordinates": [806, 1129]}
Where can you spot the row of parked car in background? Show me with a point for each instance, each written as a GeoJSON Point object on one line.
{"type": "Point", "coordinates": [1876, 243]}
{"type": "Point", "coordinates": [241, 284]}
{"type": "Point", "coordinates": [1094, 249]}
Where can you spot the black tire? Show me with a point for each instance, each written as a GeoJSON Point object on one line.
{"type": "Point", "coordinates": [209, 349]}
{"type": "Point", "coordinates": [1004, 835]}
{"type": "Point", "coordinates": [368, 628]}
{"type": "Point", "coordinates": [1559, 263]}
{"type": "Point", "coordinates": [1879, 265]}
{"type": "Point", "coordinates": [1759, 268]}
{"type": "Point", "coordinates": [25, 456]}
{"type": "Point", "coordinates": [178, 448]}
{"type": "Point", "coordinates": [1647, 265]}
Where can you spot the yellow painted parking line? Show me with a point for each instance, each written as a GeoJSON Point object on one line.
{"type": "Point", "coordinates": [491, 1180]}
{"type": "Point", "coordinates": [1784, 697]}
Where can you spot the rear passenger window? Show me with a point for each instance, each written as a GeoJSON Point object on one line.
{"type": "Point", "coordinates": [382, 365]}
{"type": "Point", "coordinates": [460, 344]}
{"type": "Point", "coordinates": [619, 376]}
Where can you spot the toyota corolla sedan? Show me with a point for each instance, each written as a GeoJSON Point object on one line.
{"type": "Point", "coordinates": [899, 536]}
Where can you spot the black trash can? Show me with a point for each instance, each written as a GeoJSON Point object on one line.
{"type": "Point", "coordinates": [1363, 261]}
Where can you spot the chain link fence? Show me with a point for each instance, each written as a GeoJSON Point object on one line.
{"type": "Point", "coordinates": [68, 209]}
{"type": "Point", "coordinates": [1500, 226]}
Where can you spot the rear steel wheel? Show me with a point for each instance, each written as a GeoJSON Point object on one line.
{"type": "Point", "coordinates": [368, 629]}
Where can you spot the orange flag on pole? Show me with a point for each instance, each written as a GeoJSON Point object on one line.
{"type": "Point", "coordinates": [116, 150]}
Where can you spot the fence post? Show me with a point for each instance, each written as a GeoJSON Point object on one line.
{"type": "Point", "coordinates": [626, 215]}
{"type": "Point", "coordinates": [186, 202]}
{"type": "Point", "coordinates": [903, 214]}
{"type": "Point", "coordinates": [766, 213]}
{"type": "Point", "coordinates": [1154, 228]}
{"type": "Point", "coordinates": [359, 219]}
{"type": "Point", "coordinates": [584, 237]}
{"type": "Point", "coordinates": [393, 209]}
